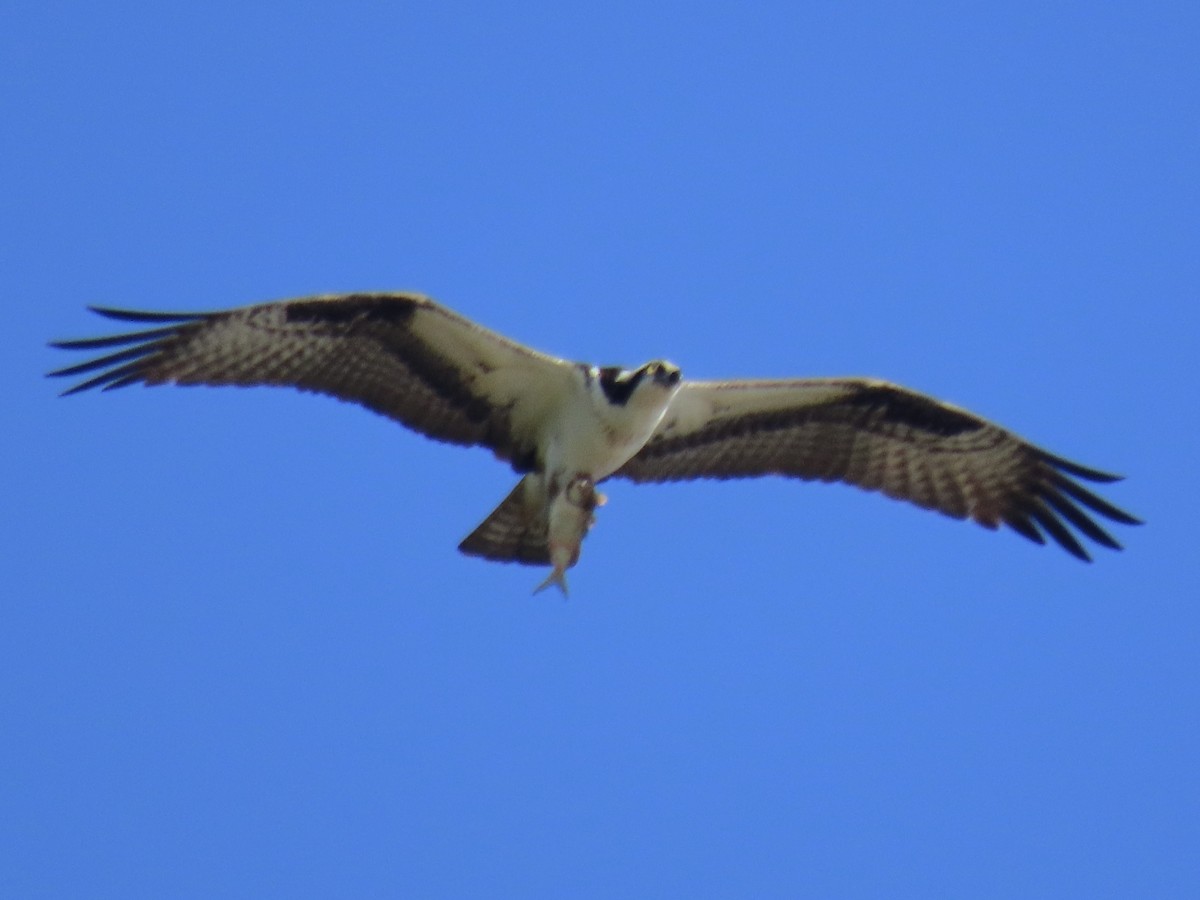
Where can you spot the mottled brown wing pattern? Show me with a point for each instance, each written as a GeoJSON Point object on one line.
{"type": "Point", "coordinates": [361, 348]}
{"type": "Point", "coordinates": [903, 444]}
{"type": "Point", "coordinates": [516, 530]}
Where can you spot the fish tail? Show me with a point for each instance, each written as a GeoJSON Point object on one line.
{"type": "Point", "coordinates": [558, 577]}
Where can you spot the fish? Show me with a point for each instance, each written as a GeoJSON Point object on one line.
{"type": "Point", "coordinates": [570, 516]}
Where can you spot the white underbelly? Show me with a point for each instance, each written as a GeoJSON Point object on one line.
{"type": "Point", "coordinates": [586, 444]}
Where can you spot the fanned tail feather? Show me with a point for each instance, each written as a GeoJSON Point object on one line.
{"type": "Point", "coordinates": [516, 530]}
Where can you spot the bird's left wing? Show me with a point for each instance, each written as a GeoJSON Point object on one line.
{"type": "Point", "coordinates": [401, 355]}
{"type": "Point", "coordinates": [880, 437]}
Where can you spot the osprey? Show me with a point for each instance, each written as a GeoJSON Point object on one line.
{"type": "Point", "coordinates": [566, 426]}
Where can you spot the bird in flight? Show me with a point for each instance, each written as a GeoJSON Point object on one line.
{"type": "Point", "coordinates": [567, 426]}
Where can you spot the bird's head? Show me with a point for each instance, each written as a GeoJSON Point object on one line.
{"type": "Point", "coordinates": [662, 373]}
{"type": "Point", "coordinates": [654, 379]}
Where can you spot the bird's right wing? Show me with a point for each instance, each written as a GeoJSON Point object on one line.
{"type": "Point", "coordinates": [401, 355]}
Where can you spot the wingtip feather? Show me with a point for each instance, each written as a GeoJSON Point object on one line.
{"type": "Point", "coordinates": [1085, 472]}
{"type": "Point", "coordinates": [134, 315]}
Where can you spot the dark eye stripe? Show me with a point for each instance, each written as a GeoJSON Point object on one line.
{"type": "Point", "coordinates": [619, 384]}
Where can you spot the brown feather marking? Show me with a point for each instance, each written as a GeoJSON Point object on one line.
{"type": "Point", "coordinates": [356, 347]}
{"type": "Point", "coordinates": [881, 437]}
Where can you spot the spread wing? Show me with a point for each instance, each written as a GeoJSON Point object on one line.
{"type": "Point", "coordinates": [879, 437]}
{"type": "Point", "coordinates": [401, 355]}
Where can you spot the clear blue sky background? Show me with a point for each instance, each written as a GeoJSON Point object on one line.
{"type": "Point", "coordinates": [239, 654]}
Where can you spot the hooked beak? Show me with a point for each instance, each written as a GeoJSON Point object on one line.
{"type": "Point", "coordinates": [667, 375]}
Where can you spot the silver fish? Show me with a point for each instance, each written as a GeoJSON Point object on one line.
{"type": "Point", "coordinates": [571, 515]}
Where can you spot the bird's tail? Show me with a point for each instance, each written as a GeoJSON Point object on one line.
{"type": "Point", "coordinates": [516, 530]}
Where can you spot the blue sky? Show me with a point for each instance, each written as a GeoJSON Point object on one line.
{"type": "Point", "coordinates": [240, 655]}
